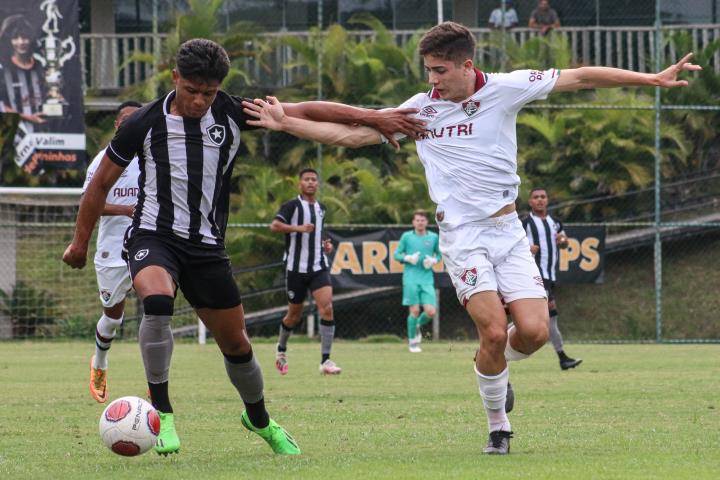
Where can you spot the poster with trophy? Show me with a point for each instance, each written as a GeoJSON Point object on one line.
{"type": "Point", "coordinates": [41, 81]}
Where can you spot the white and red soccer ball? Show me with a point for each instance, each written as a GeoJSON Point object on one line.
{"type": "Point", "coordinates": [129, 426]}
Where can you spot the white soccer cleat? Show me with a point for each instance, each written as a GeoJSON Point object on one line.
{"type": "Point", "coordinates": [414, 348]}
{"type": "Point", "coordinates": [328, 367]}
{"type": "Point", "coordinates": [418, 336]}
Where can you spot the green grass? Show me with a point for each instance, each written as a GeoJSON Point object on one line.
{"type": "Point", "coordinates": [629, 412]}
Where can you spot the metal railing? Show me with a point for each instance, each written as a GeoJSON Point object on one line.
{"type": "Point", "coordinates": [106, 66]}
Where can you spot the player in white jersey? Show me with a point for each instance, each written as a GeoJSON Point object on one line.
{"type": "Point", "coordinates": [469, 151]}
{"type": "Point", "coordinates": [113, 277]}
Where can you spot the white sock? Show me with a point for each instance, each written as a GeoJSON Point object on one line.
{"type": "Point", "coordinates": [493, 390]}
{"type": "Point", "coordinates": [512, 355]}
{"type": "Point", "coordinates": [104, 334]}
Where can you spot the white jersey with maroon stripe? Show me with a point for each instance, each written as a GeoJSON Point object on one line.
{"type": "Point", "coordinates": [112, 227]}
{"type": "Point", "coordinates": [469, 149]}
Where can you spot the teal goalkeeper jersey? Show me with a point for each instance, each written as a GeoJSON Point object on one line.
{"type": "Point", "coordinates": [427, 244]}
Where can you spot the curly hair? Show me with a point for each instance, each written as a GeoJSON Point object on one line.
{"type": "Point", "coordinates": [202, 59]}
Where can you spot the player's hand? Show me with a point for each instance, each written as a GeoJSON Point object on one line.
{"type": "Point", "coordinates": [668, 77]}
{"type": "Point", "coordinates": [305, 228]}
{"type": "Point", "coordinates": [534, 249]}
{"type": "Point", "coordinates": [37, 118]}
{"type": "Point", "coordinates": [429, 262]}
{"type": "Point", "coordinates": [390, 121]}
{"type": "Point", "coordinates": [412, 259]}
{"type": "Point", "coordinates": [327, 246]}
{"type": "Point", "coordinates": [562, 240]}
{"type": "Point", "coordinates": [75, 256]}
{"type": "Point", "coordinates": [269, 113]}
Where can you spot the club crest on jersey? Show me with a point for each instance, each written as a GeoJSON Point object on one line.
{"type": "Point", "coordinates": [471, 107]}
{"type": "Point", "coordinates": [105, 294]}
{"type": "Point", "coordinates": [141, 254]}
{"type": "Point", "coordinates": [291, 294]}
{"type": "Point", "coordinates": [216, 134]}
{"type": "Point", "coordinates": [440, 215]}
{"type": "Point", "coordinates": [469, 276]}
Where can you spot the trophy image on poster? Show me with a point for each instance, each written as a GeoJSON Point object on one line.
{"type": "Point", "coordinates": [52, 56]}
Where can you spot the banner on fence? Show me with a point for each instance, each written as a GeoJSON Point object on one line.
{"type": "Point", "coordinates": [40, 79]}
{"type": "Point", "coordinates": [583, 260]}
{"type": "Point", "coordinates": [365, 258]}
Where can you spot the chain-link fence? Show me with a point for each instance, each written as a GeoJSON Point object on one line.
{"type": "Point", "coordinates": [45, 299]}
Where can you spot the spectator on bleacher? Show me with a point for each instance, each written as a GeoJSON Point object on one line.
{"type": "Point", "coordinates": [544, 18]}
{"type": "Point", "coordinates": [495, 21]}
{"type": "Point", "coordinates": [546, 235]}
{"type": "Point", "coordinates": [418, 250]}
{"type": "Point", "coordinates": [306, 268]}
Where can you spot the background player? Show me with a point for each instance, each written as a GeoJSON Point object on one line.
{"type": "Point", "coordinates": [188, 140]}
{"type": "Point", "coordinates": [546, 235]}
{"type": "Point", "coordinates": [469, 151]}
{"type": "Point", "coordinates": [419, 250]}
{"type": "Point", "coordinates": [113, 277]}
{"type": "Point", "coordinates": [306, 268]}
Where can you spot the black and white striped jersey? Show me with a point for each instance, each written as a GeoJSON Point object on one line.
{"type": "Point", "coordinates": [185, 166]}
{"type": "Point", "coordinates": [22, 90]}
{"type": "Point", "coordinates": [303, 251]}
{"type": "Point", "coordinates": [542, 232]}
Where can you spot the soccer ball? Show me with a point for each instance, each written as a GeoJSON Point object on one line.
{"type": "Point", "coordinates": [129, 426]}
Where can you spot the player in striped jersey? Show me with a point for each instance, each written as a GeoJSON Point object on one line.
{"type": "Point", "coordinates": [22, 78]}
{"type": "Point", "coordinates": [546, 235]}
{"type": "Point", "coordinates": [469, 151]}
{"type": "Point", "coordinates": [186, 142]}
{"type": "Point", "coordinates": [306, 268]}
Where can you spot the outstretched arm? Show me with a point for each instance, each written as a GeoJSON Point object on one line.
{"type": "Point", "coordinates": [271, 114]}
{"type": "Point", "coordinates": [387, 121]}
{"type": "Point", "coordinates": [92, 204]}
{"type": "Point", "coordinates": [606, 77]}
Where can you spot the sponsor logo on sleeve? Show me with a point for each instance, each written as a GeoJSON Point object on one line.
{"type": "Point", "coordinates": [141, 254]}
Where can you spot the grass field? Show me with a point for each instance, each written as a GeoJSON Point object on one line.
{"type": "Point", "coordinates": [629, 412]}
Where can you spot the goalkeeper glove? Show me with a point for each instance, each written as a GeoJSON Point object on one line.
{"type": "Point", "coordinates": [429, 261]}
{"type": "Point", "coordinates": [412, 259]}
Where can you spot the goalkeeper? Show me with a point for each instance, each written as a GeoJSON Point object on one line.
{"type": "Point", "coordinates": [419, 251]}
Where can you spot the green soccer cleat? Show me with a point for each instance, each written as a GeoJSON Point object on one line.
{"type": "Point", "coordinates": [168, 440]}
{"type": "Point", "coordinates": [279, 440]}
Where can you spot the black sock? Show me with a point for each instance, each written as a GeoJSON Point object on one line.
{"type": "Point", "coordinates": [159, 397]}
{"type": "Point", "coordinates": [562, 355]}
{"type": "Point", "coordinates": [257, 414]}
{"type": "Point", "coordinates": [325, 356]}
{"type": "Point", "coordinates": [281, 349]}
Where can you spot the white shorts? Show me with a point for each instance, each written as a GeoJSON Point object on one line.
{"type": "Point", "coordinates": [114, 284]}
{"type": "Point", "coordinates": [491, 255]}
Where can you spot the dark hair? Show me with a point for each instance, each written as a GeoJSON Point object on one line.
{"type": "Point", "coordinates": [202, 59]}
{"type": "Point", "coordinates": [422, 213]}
{"type": "Point", "coordinates": [536, 189]}
{"type": "Point", "coordinates": [128, 103]}
{"type": "Point", "coordinates": [307, 170]}
{"type": "Point", "coordinates": [449, 41]}
{"type": "Point", "coordinates": [15, 26]}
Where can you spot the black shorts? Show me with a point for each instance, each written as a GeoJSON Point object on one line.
{"type": "Point", "coordinates": [202, 272]}
{"type": "Point", "coordinates": [297, 284]}
{"type": "Point", "coordinates": [549, 287]}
